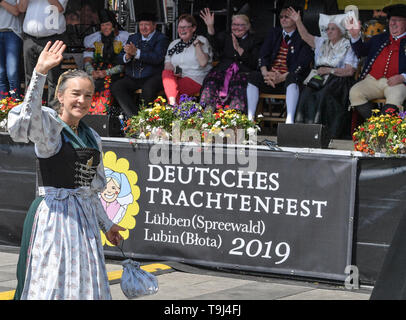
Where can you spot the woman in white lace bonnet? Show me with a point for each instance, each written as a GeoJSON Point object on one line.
{"type": "Point", "coordinates": [334, 59]}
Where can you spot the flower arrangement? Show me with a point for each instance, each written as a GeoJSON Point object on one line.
{"type": "Point", "coordinates": [385, 133]}
{"type": "Point", "coordinates": [188, 119]}
{"type": "Point", "coordinates": [6, 104]}
{"type": "Point", "coordinates": [101, 101]}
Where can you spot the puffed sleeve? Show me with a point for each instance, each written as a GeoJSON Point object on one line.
{"type": "Point", "coordinates": [351, 59]}
{"type": "Point", "coordinates": [123, 37]}
{"type": "Point", "coordinates": [206, 47]}
{"type": "Point", "coordinates": [30, 121]}
{"type": "Point", "coordinates": [88, 43]}
{"type": "Point", "coordinates": [98, 185]}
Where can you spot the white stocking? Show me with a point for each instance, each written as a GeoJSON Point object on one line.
{"type": "Point", "coordinates": [252, 100]}
{"type": "Point", "coordinates": [292, 97]}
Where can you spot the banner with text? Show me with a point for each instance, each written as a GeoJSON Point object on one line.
{"type": "Point", "coordinates": [292, 215]}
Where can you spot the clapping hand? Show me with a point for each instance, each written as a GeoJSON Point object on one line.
{"type": "Point", "coordinates": [50, 57]}
{"type": "Point", "coordinates": [99, 74]}
{"type": "Point", "coordinates": [236, 45]}
{"type": "Point", "coordinates": [130, 49]}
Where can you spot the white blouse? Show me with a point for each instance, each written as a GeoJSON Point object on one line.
{"type": "Point", "coordinates": [337, 56]}
{"type": "Point", "coordinates": [187, 60]}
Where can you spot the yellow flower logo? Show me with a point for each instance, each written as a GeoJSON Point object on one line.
{"type": "Point", "coordinates": [122, 167]}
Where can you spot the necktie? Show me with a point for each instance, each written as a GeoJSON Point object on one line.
{"type": "Point", "coordinates": [287, 38]}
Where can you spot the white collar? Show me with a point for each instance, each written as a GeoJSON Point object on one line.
{"type": "Point", "coordinates": [284, 33]}
{"type": "Point", "coordinates": [402, 35]}
{"type": "Point", "coordinates": [149, 36]}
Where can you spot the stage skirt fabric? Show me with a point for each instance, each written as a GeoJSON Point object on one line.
{"type": "Point", "coordinates": [327, 106]}
{"type": "Point", "coordinates": [237, 90]}
{"type": "Point", "coordinates": [391, 282]}
{"type": "Point", "coordinates": [65, 259]}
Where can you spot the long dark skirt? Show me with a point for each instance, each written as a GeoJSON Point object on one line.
{"type": "Point", "coordinates": [237, 90]}
{"type": "Point", "coordinates": [327, 106]}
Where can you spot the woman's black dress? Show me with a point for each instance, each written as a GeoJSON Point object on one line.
{"type": "Point", "coordinates": [327, 106]}
{"type": "Point", "coordinates": [214, 81]}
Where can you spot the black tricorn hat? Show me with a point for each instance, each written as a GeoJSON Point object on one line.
{"type": "Point", "coordinates": [107, 16]}
{"type": "Point", "coordinates": [395, 10]}
{"type": "Point", "coordinates": [146, 16]}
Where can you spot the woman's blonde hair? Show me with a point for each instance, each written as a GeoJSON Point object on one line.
{"type": "Point", "coordinates": [243, 17]}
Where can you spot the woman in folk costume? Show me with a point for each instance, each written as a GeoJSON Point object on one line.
{"type": "Point", "coordinates": [226, 83]}
{"type": "Point", "coordinates": [334, 59]}
{"type": "Point", "coordinates": [187, 61]}
{"type": "Point", "coordinates": [61, 254]}
{"type": "Point", "coordinates": [99, 58]}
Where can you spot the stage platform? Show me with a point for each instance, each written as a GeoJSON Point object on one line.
{"type": "Point", "coordinates": [303, 213]}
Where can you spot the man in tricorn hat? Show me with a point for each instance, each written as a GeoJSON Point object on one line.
{"type": "Point", "coordinates": [384, 73]}
{"type": "Point", "coordinates": [143, 57]}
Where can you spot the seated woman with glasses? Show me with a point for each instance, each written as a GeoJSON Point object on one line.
{"type": "Point", "coordinates": [336, 63]}
{"type": "Point", "coordinates": [238, 54]}
{"type": "Point", "coordinates": [187, 62]}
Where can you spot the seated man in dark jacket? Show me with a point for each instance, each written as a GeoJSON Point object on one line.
{"type": "Point", "coordinates": [384, 73]}
{"type": "Point", "coordinates": [143, 56]}
{"type": "Point", "coordinates": [284, 61]}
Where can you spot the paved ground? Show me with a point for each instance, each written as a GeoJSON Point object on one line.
{"type": "Point", "coordinates": [183, 282]}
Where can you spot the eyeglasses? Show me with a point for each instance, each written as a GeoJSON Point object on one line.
{"type": "Point", "coordinates": [283, 16]}
{"type": "Point", "coordinates": [184, 27]}
{"type": "Point", "coordinates": [238, 25]}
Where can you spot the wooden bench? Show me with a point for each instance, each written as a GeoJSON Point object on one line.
{"type": "Point", "coordinates": [270, 115]}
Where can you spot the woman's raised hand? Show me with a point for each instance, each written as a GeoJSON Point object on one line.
{"type": "Point", "coordinates": [353, 26]}
{"type": "Point", "coordinates": [50, 57]}
{"type": "Point", "coordinates": [293, 14]}
{"type": "Point", "coordinates": [208, 18]}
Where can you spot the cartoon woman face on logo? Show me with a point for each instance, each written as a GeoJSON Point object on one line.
{"type": "Point", "coordinates": [117, 195]}
{"type": "Point", "coordinates": [120, 195]}
{"type": "Point", "coordinates": [110, 194]}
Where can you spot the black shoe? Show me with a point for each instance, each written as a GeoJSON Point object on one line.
{"type": "Point", "coordinates": [365, 110]}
